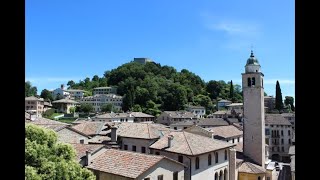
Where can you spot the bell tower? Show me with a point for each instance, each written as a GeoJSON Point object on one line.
{"type": "Point", "coordinates": [253, 115]}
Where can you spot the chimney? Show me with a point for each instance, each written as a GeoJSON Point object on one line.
{"type": "Point", "coordinates": [113, 134]}
{"type": "Point", "coordinates": [88, 158]}
{"type": "Point", "coordinates": [170, 138]}
{"type": "Point", "coordinates": [62, 86]}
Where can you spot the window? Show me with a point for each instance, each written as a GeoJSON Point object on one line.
{"type": "Point", "coordinates": [268, 178]}
{"type": "Point", "coordinates": [238, 139]}
{"type": "Point", "coordinates": [272, 148]}
{"type": "Point", "coordinates": [278, 149]}
{"type": "Point", "coordinates": [249, 82]}
{"type": "Point", "coordinates": [160, 177]}
{"type": "Point", "coordinates": [253, 81]}
{"type": "Point", "coordinates": [143, 149]}
{"type": "Point", "coordinates": [197, 162]}
{"type": "Point", "coordinates": [281, 141]}
{"type": "Point", "coordinates": [281, 132]}
{"type": "Point", "coordinates": [146, 179]}
{"type": "Point", "coordinates": [289, 132]}
{"type": "Point", "coordinates": [209, 159]}
{"type": "Point", "coordinates": [267, 131]}
{"type": "Point", "coordinates": [134, 148]}
{"type": "Point", "coordinates": [259, 178]}
{"type": "Point", "coordinates": [157, 153]}
{"type": "Point", "coordinates": [175, 128]}
{"type": "Point", "coordinates": [232, 140]}
{"type": "Point", "coordinates": [289, 141]}
{"type": "Point", "coordinates": [81, 141]}
{"type": "Point", "coordinates": [282, 149]}
{"type": "Point", "coordinates": [184, 127]}
{"type": "Point", "coordinates": [225, 154]}
{"type": "Point", "coordinates": [175, 175]}
{"type": "Point", "coordinates": [216, 157]}
{"type": "Point", "coordinates": [180, 159]}
{"type": "Point", "coordinates": [267, 141]}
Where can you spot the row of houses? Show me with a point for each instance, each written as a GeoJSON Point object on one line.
{"type": "Point", "coordinates": [193, 151]}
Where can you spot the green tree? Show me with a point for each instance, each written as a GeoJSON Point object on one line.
{"type": "Point", "coordinates": [58, 97]}
{"type": "Point", "coordinates": [136, 108]}
{"type": "Point", "coordinates": [46, 158]}
{"type": "Point", "coordinates": [231, 95]}
{"type": "Point", "coordinates": [289, 100]}
{"type": "Point", "coordinates": [46, 95]}
{"type": "Point", "coordinates": [214, 88]}
{"type": "Point", "coordinates": [279, 101]}
{"type": "Point", "coordinates": [175, 98]}
{"type": "Point", "coordinates": [71, 83]}
{"type": "Point", "coordinates": [95, 78]}
{"type": "Point", "coordinates": [107, 107]}
{"type": "Point", "coordinates": [86, 108]}
{"type": "Point", "coordinates": [72, 110]}
{"type": "Point", "coordinates": [29, 89]}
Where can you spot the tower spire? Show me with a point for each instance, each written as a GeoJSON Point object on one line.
{"type": "Point", "coordinates": [251, 51]}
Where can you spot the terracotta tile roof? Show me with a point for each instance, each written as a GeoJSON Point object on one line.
{"type": "Point", "coordinates": [233, 120]}
{"type": "Point", "coordinates": [89, 128]}
{"type": "Point", "coordinates": [82, 148]}
{"type": "Point", "coordinates": [238, 125]}
{"type": "Point", "coordinates": [189, 144]}
{"type": "Point", "coordinates": [49, 124]}
{"type": "Point", "coordinates": [99, 139]}
{"type": "Point", "coordinates": [225, 131]}
{"type": "Point", "coordinates": [141, 130]}
{"type": "Point", "coordinates": [180, 114]}
{"type": "Point", "coordinates": [212, 122]}
{"type": "Point", "coordinates": [198, 130]}
{"type": "Point", "coordinates": [125, 163]}
{"type": "Point", "coordinates": [184, 123]}
{"type": "Point", "coordinates": [276, 119]}
{"type": "Point", "coordinates": [248, 167]}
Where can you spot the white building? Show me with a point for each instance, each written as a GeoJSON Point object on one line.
{"type": "Point", "coordinates": [223, 103]}
{"type": "Point", "coordinates": [60, 92]}
{"type": "Point", "coordinates": [169, 117]}
{"type": "Point", "coordinates": [279, 134]}
{"type": "Point", "coordinates": [198, 111]}
{"type": "Point", "coordinates": [75, 93]}
{"type": "Point", "coordinates": [124, 117]}
{"type": "Point", "coordinates": [104, 90]}
{"type": "Point", "coordinates": [100, 99]}
{"type": "Point", "coordinates": [290, 117]}
{"type": "Point", "coordinates": [204, 158]}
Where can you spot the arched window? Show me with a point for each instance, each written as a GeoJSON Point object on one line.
{"type": "Point", "coordinates": [249, 82]}
{"type": "Point", "coordinates": [225, 174]}
{"type": "Point", "coordinates": [209, 159]}
{"type": "Point", "coordinates": [253, 81]}
{"type": "Point", "coordinates": [197, 162]}
{"type": "Point", "coordinates": [225, 155]}
{"type": "Point", "coordinates": [259, 178]}
{"type": "Point", "coordinates": [216, 176]}
{"type": "Point", "coordinates": [216, 157]}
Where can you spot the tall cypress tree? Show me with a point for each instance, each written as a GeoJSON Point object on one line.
{"type": "Point", "coordinates": [231, 95]}
{"type": "Point", "coordinates": [279, 101]}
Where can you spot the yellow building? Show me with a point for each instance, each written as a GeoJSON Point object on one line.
{"type": "Point", "coordinates": [250, 171]}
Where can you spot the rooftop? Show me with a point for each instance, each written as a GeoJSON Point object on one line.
{"type": "Point", "coordinates": [125, 163]}
{"type": "Point", "coordinates": [219, 112]}
{"type": "Point", "coordinates": [248, 167]}
{"type": "Point", "coordinates": [82, 148]}
{"type": "Point", "coordinates": [224, 100]}
{"type": "Point", "coordinates": [48, 123]}
{"type": "Point", "coordinates": [69, 101]}
{"type": "Point", "coordinates": [32, 98]}
{"type": "Point", "coordinates": [89, 128]}
{"type": "Point", "coordinates": [276, 119]}
{"type": "Point", "coordinates": [74, 90]}
{"type": "Point", "coordinates": [141, 130]}
{"type": "Point", "coordinates": [225, 131]}
{"type": "Point", "coordinates": [124, 115]}
{"type": "Point", "coordinates": [104, 87]}
{"type": "Point", "coordinates": [180, 114]}
{"type": "Point", "coordinates": [189, 144]}
{"type": "Point", "coordinates": [212, 122]}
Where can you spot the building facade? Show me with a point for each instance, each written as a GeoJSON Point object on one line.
{"type": "Point", "coordinates": [34, 106]}
{"type": "Point", "coordinates": [104, 90]}
{"type": "Point", "coordinates": [169, 117]}
{"type": "Point", "coordinates": [100, 99]}
{"type": "Point", "coordinates": [198, 111]}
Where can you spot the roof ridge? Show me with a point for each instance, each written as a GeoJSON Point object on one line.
{"type": "Point", "coordinates": [187, 142]}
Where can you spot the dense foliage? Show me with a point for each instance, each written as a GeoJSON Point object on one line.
{"type": "Point", "coordinates": [289, 100]}
{"type": "Point", "coordinates": [151, 88]}
{"type": "Point", "coordinates": [46, 95]}
{"type": "Point", "coordinates": [279, 101]}
{"type": "Point", "coordinates": [29, 90]}
{"type": "Point", "coordinates": [45, 158]}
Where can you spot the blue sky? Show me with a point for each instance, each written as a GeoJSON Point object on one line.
{"type": "Point", "coordinates": [75, 39]}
